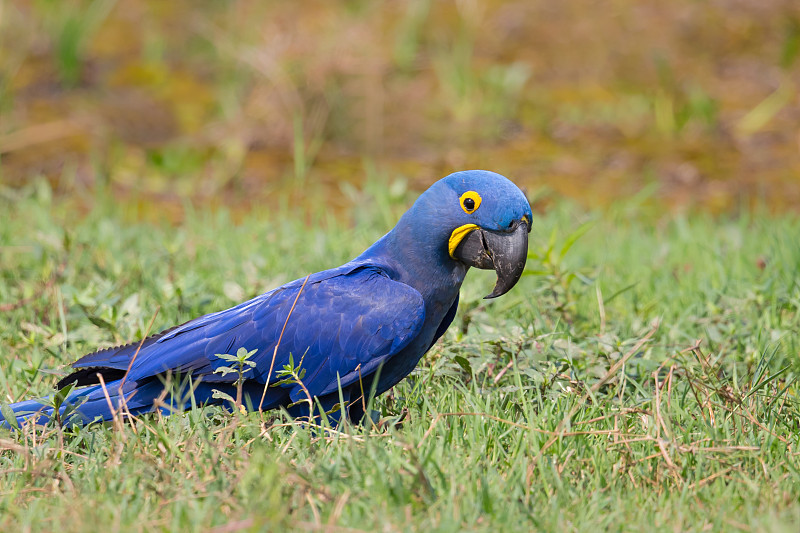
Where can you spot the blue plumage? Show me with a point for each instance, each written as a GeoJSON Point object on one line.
{"type": "Point", "coordinates": [370, 319]}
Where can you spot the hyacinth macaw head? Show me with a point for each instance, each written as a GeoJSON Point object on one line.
{"type": "Point", "coordinates": [480, 219]}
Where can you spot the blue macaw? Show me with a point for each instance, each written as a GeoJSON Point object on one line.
{"type": "Point", "coordinates": [350, 331]}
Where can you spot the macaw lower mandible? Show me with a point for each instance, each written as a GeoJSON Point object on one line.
{"type": "Point", "coordinates": [347, 332]}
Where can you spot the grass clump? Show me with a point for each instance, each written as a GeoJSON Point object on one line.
{"type": "Point", "coordinates": [642, 375]}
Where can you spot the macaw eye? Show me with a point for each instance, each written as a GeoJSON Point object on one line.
{"type": "Point", "coordinates": [470, 201]}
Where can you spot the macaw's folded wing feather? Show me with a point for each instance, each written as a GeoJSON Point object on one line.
{"type": "Point", "coordinates": [335, 328]}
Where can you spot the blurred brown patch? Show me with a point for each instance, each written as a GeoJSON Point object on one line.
{"type": "Point", "coordinates": [233, 101]}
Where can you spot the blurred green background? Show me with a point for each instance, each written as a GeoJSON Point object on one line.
{"type": "Point", "coordinates": [688, 104]}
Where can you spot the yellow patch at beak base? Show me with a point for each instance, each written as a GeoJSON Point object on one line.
{"type": "Point", "coordinates": [457, 236]}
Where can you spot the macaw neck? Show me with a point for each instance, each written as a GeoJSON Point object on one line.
{"type": "Point", "coordinates": [418, 257]}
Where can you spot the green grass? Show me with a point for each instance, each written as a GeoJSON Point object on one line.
{"type": "Point", "coordinates": [582, 400]}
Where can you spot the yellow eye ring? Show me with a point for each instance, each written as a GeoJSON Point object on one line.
{"type": "Point", "coordinates": [470, 201]}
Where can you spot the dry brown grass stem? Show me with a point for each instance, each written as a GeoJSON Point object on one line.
{"type": "Point", "coordinates": [136, 353]}
{"type": "Point", "coordinates": [502, 373]}
{"type": "Point", "coordinates": [277, 345]}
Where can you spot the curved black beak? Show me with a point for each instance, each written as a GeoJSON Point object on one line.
{"type": "Point", "coordinates": [503, 251]}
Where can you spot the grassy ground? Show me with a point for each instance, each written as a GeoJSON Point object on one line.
{"type": "Point", "coordinates": [643, 375]}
